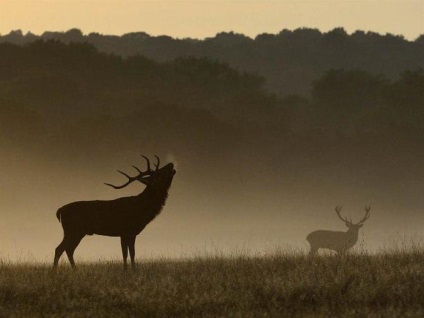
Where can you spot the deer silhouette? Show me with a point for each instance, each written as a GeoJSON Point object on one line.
{"type": "Point", "coordinates": [337, 241]}
{"type": "Point", "coordinates": [124, 217]}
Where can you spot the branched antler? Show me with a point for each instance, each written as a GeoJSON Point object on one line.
{"type": "Point", "coordinates": [338, 209]}
{"type": "Point", "coordinates": [140, 175]}
{"type": "Point", "coordinates": [148, 163]}
{"type": "Point", "coordinates": [158, 163]}
{"type": "Point", "coordinates": [366, 216]}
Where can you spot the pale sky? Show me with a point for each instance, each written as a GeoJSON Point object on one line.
{"type": "Point", "coordinates": [204, 18]}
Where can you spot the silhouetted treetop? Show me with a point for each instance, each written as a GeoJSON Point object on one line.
{"type": "Point", "coordinates": [289, 61]}
{"type": "Point", "coordinates": [76, 80]}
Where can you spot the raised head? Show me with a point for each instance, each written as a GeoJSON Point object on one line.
{"type": "Point", "coordinates": [149, 177]}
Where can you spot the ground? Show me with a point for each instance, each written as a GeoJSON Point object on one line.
{"type": "Point", "coordinates": [386, 284]}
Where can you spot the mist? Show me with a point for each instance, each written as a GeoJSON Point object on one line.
{"type": "Point", "coordinates": [253, 210]}
{"type": "Point", "coordinates": [254, 171]}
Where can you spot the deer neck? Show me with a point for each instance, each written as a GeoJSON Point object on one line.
{"type": "Point", "coordinates": [353, 234]}
{"type": "Point", "coordinates": [152, 200]}
{"type": "Point", "coordinates": [155, 194]}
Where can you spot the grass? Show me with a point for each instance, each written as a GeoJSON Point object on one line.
{"type": "Point", "coordinates": [388, 284]}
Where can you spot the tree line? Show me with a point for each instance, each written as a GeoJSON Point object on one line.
{"type": "Point", "coordinates": [289, 60]}
{"type": "Point", "coordinates": [72, 103]}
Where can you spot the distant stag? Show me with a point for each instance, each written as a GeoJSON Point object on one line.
{"type": "Point", "coordinates": [337, 241]}
{"type": "Point", "coordinates": [124, 217]}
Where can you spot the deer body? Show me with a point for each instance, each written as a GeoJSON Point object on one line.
{"type": "Point", "coordinates": [337, 241]}
{"type": "Point", "coordinates": [123, 217]}
{"type": "Point", "coordinates": [333, 240]}
{"type": "Point", "coordinates": [127, 215]}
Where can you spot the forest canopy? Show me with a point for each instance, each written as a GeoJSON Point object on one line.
{"type": "Point", "coordinates": [289, 60]}
{"type": "Point", "coordinates": [68, 81]}
{"type": "Point", "coordinates": [62, 99]}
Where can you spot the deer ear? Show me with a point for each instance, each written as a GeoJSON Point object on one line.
{"type": "Point", "coordinates": [360, 225]}
{"type": "Point", "coordinates": [347, 224]}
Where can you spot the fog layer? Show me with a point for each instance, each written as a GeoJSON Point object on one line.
{"type": "Point", "coordinates": [253, 171]}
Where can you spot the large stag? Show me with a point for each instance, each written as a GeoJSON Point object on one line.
{"type": "Point", "coordinates": [337, 241]}
{"type": "Point", "coordinates": [124, 217]}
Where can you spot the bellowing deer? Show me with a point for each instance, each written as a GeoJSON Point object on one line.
{"type": "Point", "coordinates": [337, 241]}
{"type": "Point", "coordinates": [124, 217]}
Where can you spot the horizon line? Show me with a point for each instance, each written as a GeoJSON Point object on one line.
{"type": "Point", "coordinates": [253, 37]}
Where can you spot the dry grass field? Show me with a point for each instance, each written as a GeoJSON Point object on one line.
{"type": "Point", "coordinates": [387, 284]}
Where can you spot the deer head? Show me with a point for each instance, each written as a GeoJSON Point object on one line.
{"type": "Point", "coordinates": [159, 176]}
{"type": "Point", "coordinates": [349, 223]}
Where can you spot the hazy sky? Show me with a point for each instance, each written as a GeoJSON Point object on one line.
{"type": "Point", "coordinates": [204, 18]}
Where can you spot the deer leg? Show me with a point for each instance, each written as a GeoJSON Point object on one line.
{"type": "Point", "coordinates": [313, 250]}
{"type": "Point", "coordinates": [124, 246]}
{"type": "Point", "coordinates": [59, 251]}
{"type": "Point", "coordinates": [71, 246]}
{"type": "Point", "coordinates": [131, 247]}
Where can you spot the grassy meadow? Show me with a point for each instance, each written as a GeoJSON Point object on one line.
{"type": "Point", "coordinates": [290, 284]}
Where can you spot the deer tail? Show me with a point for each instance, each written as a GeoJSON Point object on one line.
{"type": "Point", "coordinates": [59, 215]}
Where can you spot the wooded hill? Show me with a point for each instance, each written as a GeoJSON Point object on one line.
{"type": "Point", "coordinates": [289, 61]}
{"type": "Point", "coordinates": [72, 113]}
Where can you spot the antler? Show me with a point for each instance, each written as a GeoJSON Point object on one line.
{"type": "Point", "coordinates": [132, 179]}
{"type": "Point", "coordinates": [158, 163]}
{"type": "Point", "coordinates": [367, 214]}
{"type": "Point", "coordinates": [148, 163]}
{"type": "Point", "coordinates": [338, 209]}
